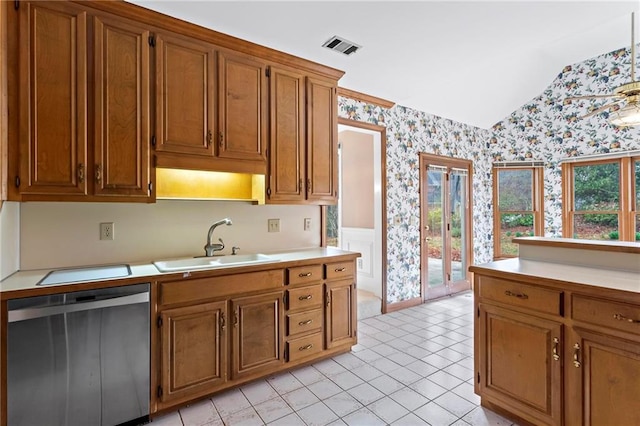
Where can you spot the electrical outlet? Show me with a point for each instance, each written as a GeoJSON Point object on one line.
{"type": "Point", "coordinates": [307, 223]}
{"type": "Point", "coordinates": [106, 231]}
{"type": "Point", "coordinates": [273, 225]}
{"type": "Point", "coordinates": [360, 264]}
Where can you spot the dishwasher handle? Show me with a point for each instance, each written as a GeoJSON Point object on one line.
{"type": "Point", "coordinates": [31, 313]}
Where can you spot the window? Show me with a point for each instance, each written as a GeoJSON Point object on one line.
{"type": "Point", "coordinates": [601, 199]}
{"type": "Point", "coordinates": [517, 206]}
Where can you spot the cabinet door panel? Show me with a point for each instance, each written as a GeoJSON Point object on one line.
{"type": "Point", "coordinates": [322, 144]}
{"type": "Point", "coordinates": [517, 366]}
{"type": "Point", "coordinates": [340, 313]}
{"type": "Point", "coordinates": [121, 108]}
{"type": "Point", "coordinates": [257, 333]}
{"type": "Point", "coordinates": [185, 72]}
{"type": "Point", "coordinates": [287, 155]}
{"type": "Point", "coordinates": [53, 106]}
{"type": "Point", "coordinates": [608, 378]}
{"type": "Point", "coordinates": [193, 350]}
{"type": "Point", "coordinates": [243, 108]}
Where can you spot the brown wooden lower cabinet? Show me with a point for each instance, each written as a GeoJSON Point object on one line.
{"type": "Point", "coordinates": [557, 353]}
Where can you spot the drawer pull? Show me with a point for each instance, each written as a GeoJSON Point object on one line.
{"type": "Point", "coordinates": [621, 317]}
{"type": "Point", "coordinates": [554, 352]}
{"type": "Point", "coordinates": [340, 269]}
{"type": "Point", "coordinates": [308, 274]}
{"type": "Point", "coordinates": [518, 295]}
{"type": "Point", "coordinates": [576, 355]}
{"type": "Point", "coordinates": [304, 348]}
{"type": "Point", "coordinates": [307, 322]}
{"type": "Point", "coordinates": [307, 297]}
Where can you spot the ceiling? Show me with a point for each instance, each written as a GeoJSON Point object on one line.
{"type": "Point", "coordinates": [474, 62]}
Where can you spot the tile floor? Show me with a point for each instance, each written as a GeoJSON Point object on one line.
{"type": "Point", "coordinates": [410, 367]}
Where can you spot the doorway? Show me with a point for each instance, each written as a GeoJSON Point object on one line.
{"type": "Point", "coordinates": [357, 222]}
{"type": "Point", "coordinates": [445, 231]}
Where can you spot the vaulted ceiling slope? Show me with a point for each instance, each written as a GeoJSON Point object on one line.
{"type": "Point", "coordinates": [474, 62]}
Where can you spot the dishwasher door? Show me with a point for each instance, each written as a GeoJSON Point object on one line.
{"type": "Point", "coordinates": [79, 358]}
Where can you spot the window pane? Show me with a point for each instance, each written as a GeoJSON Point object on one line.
{"type": "Point", "coordinates": [597, 187]}
{"type": "Point", "coordinates": [637, 185]}
{"type": "Point", "coordinates": [331, 223]}
{"type": "Point", "coordinates": [637, 227]}
{"type": "Point", "coordinates": [514, 225]}
{"type": "Point", "coordinates": [596, 226]}
{"type": "Point", "coordinates": [515, 190]}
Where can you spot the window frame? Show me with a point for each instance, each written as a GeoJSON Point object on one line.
{"type": "Point", "coordinates": [627, 209]}
{"type": "Point", "coordinates": [537, 204]}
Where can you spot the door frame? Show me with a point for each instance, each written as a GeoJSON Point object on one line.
{"type": "Point", "coordinates": [459, 163]}
{"type": "Point", "coordinates": [383, 200]}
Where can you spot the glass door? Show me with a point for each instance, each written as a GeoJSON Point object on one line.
{"type": "Point", "coordinates": [446, 228]}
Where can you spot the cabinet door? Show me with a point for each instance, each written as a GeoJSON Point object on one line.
{"type": "Point", "coordinates": [287, 154]}
{"type": "Point", "coordinates": [257, 334]}
{"type": "Point", "coordinates": [185, 73]}
{"type": "Point", "coordinates": [322, 142]}
{"type": "Point", "coordinates": [520, 364]}
{"type": "Point", "coordinates": [340, 313]}
{"type": "Point", "coordinates": [193, 350]}
{"type": "Point", "coordinates": [121, 108]}
{"type": "Point", "coordinates": [242, 107]}
{"type": "Point", "coordinates": [603, 376]}
{"type": "Point", "coordinates": [53, 98]}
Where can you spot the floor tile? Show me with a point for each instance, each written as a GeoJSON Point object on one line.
{"type": "Point", "coordinates": [388, 409]}
{"type": "Point", "coordinates": [273, 409]}
{"type": "Point", "coordinates": [324, 389]}
{"type": "Point", "coordinates": [409, 398]}
{"type": "Point", "coordinates": [454, 404]}
{"type": "Point", "coordinates": [386, 384]}
{"type": "Point", "coordinates": [401, 358]}
{"type": "Point", "coordinates": [384, 349]}
{"type": "Point", "coordinates": [171, 419]}
{"type": "Point", "coordinates": [230, 402]}
{"type": "Point", "coordinates": [199, 414]}
{"type": "Point", "coordinates": [342, 404]}
{"type": "Point", "coordinates": [385, 365]}
{"type": "Point", "coordinates": [259, 391]}
{"type": "Point", "coordinates": [410, 420]}
{"type": "Point", "coordinates": [307, 375]}
{"type": "Point", "coordinates": [245, 417]}
{"type": "Point", "coordinates": [427, 388]}
{"type": "Point", "coordinates": [451, 354]}
{"type": "Point", "coordinates": [434, 414]}
{"type": "Point", "coordinates": [317, 414]}
{"type": "Point", "coordinates": [465, 390]}
{"type": "Point", "coordinates": [349, 361]}
{"type": "Point", "coordinates": [437, 361]}
{"type": "Point", "coordinates": [459, 371]}
{"type": "Point", "coordinates": [347, 380]}
{"type": "Point", "coordinates": [365, 393]}
{"type": "Point", "coordinates": [330, 368]}
{"type": "Point", "coordinates": [480, 416]}
{"type": "Point", "coordinates": [284, 383]}
{"type": "Point", "coordinates": [405, 376]}
{"type": "Point", "coordinates": [445, 379]}
{"type": "Point", "coordinates": [422, 368]}
{"type": "Point", "coordinates": [368, 355]}
{"type": "Point", "coordinates": [290, 420]}
{"type": "Point", "coordinates": [367, 372]}
{"type": "Point", "coordinates": [363, 417]}
{"type": "Point", "coordinates": [300, 398]}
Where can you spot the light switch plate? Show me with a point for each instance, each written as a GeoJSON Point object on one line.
{"type": "Point", "coordinates": [307, 223]}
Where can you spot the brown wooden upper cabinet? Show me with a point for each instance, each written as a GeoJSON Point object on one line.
{"type": "Point", "coordinates": [303, 156]}
{"type": "Point", "coordinates": [63, 149]}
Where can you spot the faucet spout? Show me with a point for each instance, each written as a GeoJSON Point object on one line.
{"type": "Point", "coordinates": [210, 248]}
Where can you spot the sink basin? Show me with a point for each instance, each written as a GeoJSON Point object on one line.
{"type": "Point", "coordinates": [195, 263]}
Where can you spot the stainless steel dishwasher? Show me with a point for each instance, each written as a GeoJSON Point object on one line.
{"type": "Point", "coordinates": [79, 358]}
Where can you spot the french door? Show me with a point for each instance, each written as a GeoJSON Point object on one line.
{"type": "Point", "coordinates": [445, 216]}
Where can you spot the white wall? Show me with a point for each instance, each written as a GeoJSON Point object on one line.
{"type": "Point", "coordinates": [9, 239]}
{"type": "Point", "coordinates": [56, 235]}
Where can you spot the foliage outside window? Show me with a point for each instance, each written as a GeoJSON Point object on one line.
{"type": "Point", "coordinates": [601, 198]}
{"type": "Point", "coordinates": [517, 207]}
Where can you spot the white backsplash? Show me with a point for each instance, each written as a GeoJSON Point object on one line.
{"type": "Point", "coordinates": [54, 235]}
{"type": "Point", "coordinates": [9, 239]}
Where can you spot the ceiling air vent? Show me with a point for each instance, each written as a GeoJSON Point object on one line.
{"type": "Point", "coordinates": [339, 44]}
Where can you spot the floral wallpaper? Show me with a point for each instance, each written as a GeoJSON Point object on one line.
{"type": "Point", "coordinates": [547, 128]}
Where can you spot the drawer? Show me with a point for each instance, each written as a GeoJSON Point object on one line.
{"type": "Point", "coordinates": [522, 295]}
{"type": "Point", "coordinates": [339, 270]}
{"type": "Point", "coordinates": [304, 274]}
{"type": "Point", "coordinates": [605, 313]}
{"type": "Point", "coordinates": [304, 297]}
{"type": "Point", "coordinates": [304, 347]}
{"type": "Point", "coordinates": [304, 322]}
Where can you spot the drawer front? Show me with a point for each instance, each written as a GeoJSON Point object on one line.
{"type": "Point", "coordinates": [605, 313]}
{"type": "Point", "coordinates": [305, 297]}
{"type": "Point", "coordinates": [304, 322]}
{"type": "Point", "coordinates": [304, 347]}
{"type": "Point", "coordinates": [339, 270]}
{"type": "Point", "coordinates": [304, 274]}
{"type": "Point", "coordinates": [523, 295]}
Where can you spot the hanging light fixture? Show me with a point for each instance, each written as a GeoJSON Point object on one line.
{"type": "Point", "coordinates": [629, 115]}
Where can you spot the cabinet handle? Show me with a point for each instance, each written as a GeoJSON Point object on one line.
{"type": "Point", "coordinates": [307, 322]}
{"type": "Point", "coordinates": [340, 269]}
{"type": "Point", "coordinates": [222, 321]}
{"type": "Point", "coordinates": [576, 355]}
{"type": "Point", "coordinates": [307, 297]}
{"type": "Point", "coordinates": [221, 139]}
{"type": "Point", "coordinates": [518, 295]}
{"type": "Point", "coordinates": [300, 186]}
{"type": "Point", "coordinates": [621, 317]}
{"type": "Point", "coordinates": [304, 348]}
{"type": "Point", "coordinates": [308, 274]}
{"type": "Point", "coordinates": [328, 298]}
{"type": "Point", "coordinates": [209, 137]}
{"type": "Point", "coordinates": [98, 173]}
{"type": "Point", "coordinates": [81, 173]}
{"type": "Point", "coordinates": [309, 186]}
{"type": "Point", "coordinates": [554, 352]}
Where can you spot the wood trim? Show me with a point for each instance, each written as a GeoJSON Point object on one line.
{"type": "Point", "coordinates": [169, 23]}
{"type": "Point", "coordinates": [3, 363]}
{"type": "Point", "coordinates": [363, 97]}
{"type": "Point", "coordinates": [4, 118]}
{"type": "Point", "coordinates": [403, 304]}
{"type": "Point", "coordinates": [383, 196]}
{"type": "Point", "coordinates": [612, 246]}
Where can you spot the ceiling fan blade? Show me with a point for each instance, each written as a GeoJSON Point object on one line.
{"type": "Point", "coordinates": [601, 109]}
{"type": "Point", "coordinates": [612, 95]}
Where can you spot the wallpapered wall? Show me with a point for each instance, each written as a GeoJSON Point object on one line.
{"type": "Point", "coordinates": [547, 128]}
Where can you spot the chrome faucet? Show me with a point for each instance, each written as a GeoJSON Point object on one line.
{"type": "Point", "coordinates": [210, 248]}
